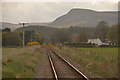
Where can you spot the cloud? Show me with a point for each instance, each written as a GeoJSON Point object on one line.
{"type": "Point", "coordinates": [115, 1]}
{"type": "Point", "coordinates": [46, 11]}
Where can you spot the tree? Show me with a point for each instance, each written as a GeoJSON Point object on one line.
{"type": "Point", "coordinates": [4, 37]}
{"type": "Point", "coordinates": [81, 37]}
{"type": "Point", "coordinates": [6, 30]}
{"type": "Point", "coordinates": [39, 38]}
{"type": "Point", "coordinates": [113, 33]}
{"type": "Point", "coordinates": [60, 36]}
{"type": "Point", "coordinates": [11, 38]}
{"type": "Point", "coordinates": [101, 31]}
{"type": "Point", "coordinates": [32, 36]}
{"type": "Point", "coordinates": [29, 36]}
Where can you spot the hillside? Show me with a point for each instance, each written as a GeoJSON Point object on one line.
{"type": "Point", "coordinates": [48, 31]}
{"type": "Point", "coordinates": [84, 17]}
{"type": "Point", "coordinates": [39, 24]}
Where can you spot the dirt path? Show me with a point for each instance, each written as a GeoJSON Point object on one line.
{"type": "Point", "coordinates": [43, 68]}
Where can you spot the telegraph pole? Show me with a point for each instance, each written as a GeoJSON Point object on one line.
{"type": "Point", "coordinates": [23, 23]}
{"type": "Point", "coordinates": [23, 36]}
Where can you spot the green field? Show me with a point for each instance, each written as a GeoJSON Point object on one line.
{"type": "Point", "coordinates": [100, 61]}
{"type": "Point", "coordinates": [20, 62]}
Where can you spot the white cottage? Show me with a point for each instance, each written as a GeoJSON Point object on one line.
{"type": "Point", "coordinates": [95, 41]}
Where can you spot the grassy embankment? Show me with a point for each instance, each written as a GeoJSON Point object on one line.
{"type": "Point", "coordinates": [20, 62]}
{"type": "Point", "coordinates": [101, 61]}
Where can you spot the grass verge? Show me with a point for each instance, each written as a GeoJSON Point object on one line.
{"type": "Point", "coordinates": [101, 61]}
{"type": "Point", "coordinates": [20, 62]}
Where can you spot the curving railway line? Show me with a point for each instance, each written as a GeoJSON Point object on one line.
{"type": "Point", "coordinates": [62, 69]}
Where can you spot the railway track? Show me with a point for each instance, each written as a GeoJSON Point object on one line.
{"type": "Point", "coordinates": [62, 69]}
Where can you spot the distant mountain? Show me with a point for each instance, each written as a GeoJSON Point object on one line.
{"type": "Point", "coordinates": [75, 17]}
{"type": "Point", "coordinates": [85, 17]}
{"type": "Point", "coordinates": [12, 26]}
{"type": "Point", "coordinates": [9, 25]}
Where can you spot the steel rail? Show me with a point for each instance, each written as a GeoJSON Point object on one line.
{"type": "Point", "coordinates": [70, 65]}
{"type": "Point", "coordinates": [52, 66]}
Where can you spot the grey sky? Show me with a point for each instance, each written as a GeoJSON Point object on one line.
{"type": "Point", "coordinates": [15, 12]}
